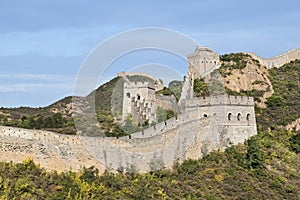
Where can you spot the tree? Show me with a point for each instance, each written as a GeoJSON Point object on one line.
{"type": "Point", "coordinates": [254, 156]}
{"type": "Point", "coordinates": [57, 120]}
{"type": "Point", "coordinates": [200, 88]}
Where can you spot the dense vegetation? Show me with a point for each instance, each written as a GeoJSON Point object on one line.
{"type": "Point", "coordinates": [283, 107]}
{"type": "Point", "coordinates": [200, 88]}
{"type": "Point", "coordinates": [163, 114]}
{"type": "Point", "coordinates": [165, 91]}
{"type": "Point", "coordinates": [234, 61]}
{"type": "Point", "coordinates": [176, 87]}
{"type": "Point", "coordinates": [40, 118]}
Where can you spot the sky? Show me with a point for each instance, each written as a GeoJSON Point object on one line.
{"type": "Point", "coordinates": [44, 43]}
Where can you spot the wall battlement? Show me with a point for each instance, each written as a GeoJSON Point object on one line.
{"type": "Point", "coordinates": [139, 85]}
{"type": "Point", "coordinates": [220, 100]}
{"type": "Point", "coordinates": [121, 74]}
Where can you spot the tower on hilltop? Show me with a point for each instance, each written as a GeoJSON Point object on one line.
{"type": "Point", "coordinates": [202, 61]}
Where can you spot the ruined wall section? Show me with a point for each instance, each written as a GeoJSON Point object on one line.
{"type": "Point", "coordinates": [187, 90]}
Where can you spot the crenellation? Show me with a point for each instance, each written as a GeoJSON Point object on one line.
{"type": "Point", "coordinates": [139, 85]}
{"type": "Point", "coordinates": [219, 100]}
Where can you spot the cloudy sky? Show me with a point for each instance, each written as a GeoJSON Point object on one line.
{"type": "Point", "coordinates": [44, 43]}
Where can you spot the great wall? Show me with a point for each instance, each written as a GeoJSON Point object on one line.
{"type": "Point", "coordinates": [203, 124]}
{"type": "Point", "coordinates": [277, 61]}
{"type": "Point", "coordinates": [190, 135]}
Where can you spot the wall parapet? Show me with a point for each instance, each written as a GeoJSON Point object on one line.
{"type": "Point", "coordinates": [139, 85]}
{"type": "Point", "coordinates": [220, 100]}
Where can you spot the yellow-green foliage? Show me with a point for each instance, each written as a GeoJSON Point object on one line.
{"type": "Point", "coordinates": [262, 168]}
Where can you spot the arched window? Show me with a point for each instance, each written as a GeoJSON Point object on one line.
{"type": "Point", "coordinates": [128, 94]}
{"type": "Point", "coordinates": [229, 116]}
{"type": "Point", "coordinates": [239, 116]}
{"type": "Point", "coordinates": [248, 117]}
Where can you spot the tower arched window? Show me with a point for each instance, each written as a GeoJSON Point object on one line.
{"type": "Point", "coordinates": [239, 116]}
{"type": "Point", "coordinates": [128, 94]}
{"type": "Point", "coordinates": [229, 116]}
{"type": "Point", "coordinates": [248, 117]}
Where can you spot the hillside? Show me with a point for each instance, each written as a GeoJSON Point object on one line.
{"type": "Point", "coordinates": [264, 167]}
{"type": "Point", "coordinates": [276, 91]}
{"type": "Point", "coordinates": [55, 117]}
{"type": "Point", "coordinates": [59, 117]}
{"type": "Point", "coordinates": [244, 75]}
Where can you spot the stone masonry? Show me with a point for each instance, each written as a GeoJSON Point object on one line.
{"type": "Point", "coordinates": [277, 61]}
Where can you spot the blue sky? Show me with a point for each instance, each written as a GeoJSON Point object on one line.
{"type": "Point", "coordinates": [43, 43]}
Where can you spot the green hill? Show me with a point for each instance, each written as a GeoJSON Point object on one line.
{"type": "Point", "coordinates": [59, 117]}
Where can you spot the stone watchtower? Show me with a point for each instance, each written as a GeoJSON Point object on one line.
{"type": "Point", "coordinates": [139, 101]}
{"type": "Point", "coordinates": [202, 61]}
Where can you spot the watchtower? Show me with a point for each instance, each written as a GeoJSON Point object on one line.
{"type": "Point", "coordinates": [139, 101]}
{"type": "Point", "coordinates": [202, 61]}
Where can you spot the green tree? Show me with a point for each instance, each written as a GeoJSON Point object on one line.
{"type": "Point", "coordinates": [295, 143]}
{"type": "Point", "coordinates": [106, 120]}
{"type": "Point", "coordinates": [161, 114]}
{"type": "Point", "coordinates": [254, 156]}
{"type": "Point", "coordinates": [57, 120]}
{"type": "Point", "coordinates": [200, 88]}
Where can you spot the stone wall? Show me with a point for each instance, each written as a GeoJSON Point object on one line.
{"type": "Point", "coordinates": [202, 127]}
{"type": "Point", "coordinates": [277, 61]}
{"type": "Point", "coordinates": [157, 129]}
{"type": "Point", "coordinates": [52, 151]}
